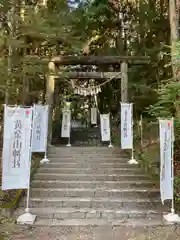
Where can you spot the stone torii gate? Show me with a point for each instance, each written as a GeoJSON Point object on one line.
{"type": "Point", "coordinates": [123, 61]}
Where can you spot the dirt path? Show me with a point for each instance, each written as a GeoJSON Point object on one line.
{"type": "Point", "coordinates": [93, 233]}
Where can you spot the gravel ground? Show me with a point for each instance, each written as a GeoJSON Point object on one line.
{"type": "Point", "coordinates": [93, 233]}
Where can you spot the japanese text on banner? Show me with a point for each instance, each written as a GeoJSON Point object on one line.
{"type": "Point", "coordinates": [166, 187]}
{"type": "Point", "coordinates": [17, 144]}
{"type": "Point", "coordinates": [126, 126]}
{"type": "Point", "coordinates": [16, 148]}
{"type": "Point", "coordinates": [40, 128]}
{"type": "Point", "coordinates": [93, 116]}
{"type": "Point", "coordinates": [66, 124]}
{"type": "Point", "coordinates": [105, 127]}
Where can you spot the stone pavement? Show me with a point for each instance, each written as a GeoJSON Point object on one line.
{"type": "Point", "coordinates": [96, 233]}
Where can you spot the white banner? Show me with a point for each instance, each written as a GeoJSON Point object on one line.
{"type": "Point", "coordinates": [126, 126]}
{"type": "Point", "coordinates": [105, 127]}
{"type": "Point", "coordinates": [40, 128]}
{"type": "Point", "coordinates": [16, 148]}
{"type": "Point", "coordinates": [166, 187]}
{"type": "Point", "coordinates": [93, 115]}
{"type": "Point", "coordinates": [66, 124]}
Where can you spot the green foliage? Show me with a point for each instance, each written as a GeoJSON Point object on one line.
{"type": "Point", "coordinates": [147, 33]}
{"type": "Point", "coordinates": [63, 28]}
{"type": "Point", "coordinates": [41, 33]}
{"type": "Point", "coordinates": [176, 187]}
{"type": "Point", "coordinates": [168, 92]}
{"type": "Point", "coordinates": [167, 96]}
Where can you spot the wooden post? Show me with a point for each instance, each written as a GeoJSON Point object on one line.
{"type": "Point", "coordinates": [50, 85]}
{"type": "Point", "coordinates": [124, 82]}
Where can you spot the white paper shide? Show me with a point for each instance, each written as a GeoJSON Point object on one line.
{"type": "Point", "coordinates": [40, 128]}
{"type": "Point", "coordinates": [105, 127]}
{"type": "Point", "coordinates": [66, 123]}
{"type": "Point", "coordinates": [16, 148]}
{"type": "Point", "coordinates": [126, 126]}
{"type": "Point", "coordinates": [93, 115]}
{"type": "Point", "coordinates": [166, 137]}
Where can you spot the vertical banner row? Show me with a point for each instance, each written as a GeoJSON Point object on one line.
{"type": "Point", "coordinates": [166, 138]}
{"type": "Point", "coordinates": [93, 115]}
{"type": "Point", "coordinates": [66, 123]}
{"type": "Point", "coordinates": [105, 127]}
{"type": "Point", "coordinates": [126, 126]}
{"type": "Point", "coordinates": [16, 156]}
{"type": "Point", "coordinates": [40, 128]}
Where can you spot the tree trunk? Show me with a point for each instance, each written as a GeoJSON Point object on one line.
{"type": "Point", "coordinates": [25, 82]}
{"type": "Point", "coordinates": [174, 35]}
{"type": "Point", "coordinates": [174, 38]}
{"type": "Point", "coordinates": [12, 22]}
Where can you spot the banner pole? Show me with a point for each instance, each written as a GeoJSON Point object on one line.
{"type": "Point", "coordinates": [30, 159]}
{"type": "Point", "coordinates": [45, 159]}
{"type": "Point", "coordinates": [110, 142]}
{"type": "Point", "coordinates": [172, 217]}
{"type": "Point", "coordinates": [141, 129]}
{"type": "Point", "coordinates": [132, 160]}
{"type": "Point", "coordinates": [27, 217]}
{"type": "Point", "coordinates": [96, 116]}
{"type": "Point", "coordinates": [69, 142]}
{"type": "Point", "coordinates": [69, 138]}
{"type": "Point", "coordinates": [27, 200]}
{"type": "Point", "coordinates": [172, 166]}
{"type": "Point", "coordinates": [132, 153]}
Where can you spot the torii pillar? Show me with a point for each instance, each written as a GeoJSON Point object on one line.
{"type": "Point", "coordinates": [124, 82]}
{"type": "Point", "coordinates": [50, 85]}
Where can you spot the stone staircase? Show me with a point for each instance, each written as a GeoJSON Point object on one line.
{"type": "Point", "coordinates": [92, 186]}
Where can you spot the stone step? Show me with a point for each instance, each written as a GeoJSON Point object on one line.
{"type": "Point", "coordinates": [86, 151]}
{"type": "Point", "coordinates": [70, 223]}
{"type": "Point", "coordinates": [88, 160]}
{"type": "Point", "coordinates": [89, 213]}
{"type": "Point", "coordinates": [90, 155]}
{"type": "Point", "coordinates": [90, 177]}
{"type": "Point", "coordinates": [110, 203]}
{"type": "Point", "coordinates": [103, 165]}
{"type": "Point", "coordinates": [90, 149]}
{"type": "Point", "coordinates": [95, 192]}
{"type": "Point", "coordinates": [89, 184]}
{"type": "Point", "coordinates": [94, 170]}
{"type": "Point", "coordinates": [86, 155]}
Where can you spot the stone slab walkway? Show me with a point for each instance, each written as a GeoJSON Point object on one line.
{"type": "Point", "coordinates": [95, 233]}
